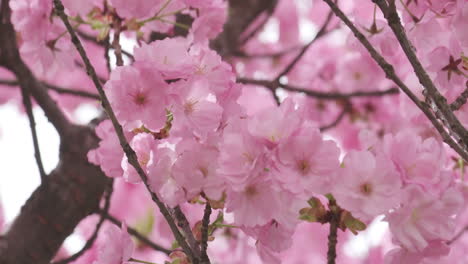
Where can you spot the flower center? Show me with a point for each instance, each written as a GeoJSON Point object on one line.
{"type": "Point", "coordinates": [140, 99]}
{"type": "Point", "coordinates": [303, 166]}
{"type": "Point", "coordinates": [366, 188]}
{"type": "Point", "coordinates": [250, 191]}
{"type": "Point", "coordinates": [189, 106]}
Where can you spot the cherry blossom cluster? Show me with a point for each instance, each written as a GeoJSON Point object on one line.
{"type": "Point", "coordinates": [201, 137]}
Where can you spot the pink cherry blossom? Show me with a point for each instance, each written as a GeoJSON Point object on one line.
{"type": "Point", "coordinates": [109, 154]}
{"type": "Point", "coordinates": [195, 112]}
{"type": "Point", "coordinates": [424, 218]}
{"type": "Point", "coordinates": [368, 185]}
{"type": "Point", "coordinates": [254, 203]}
{"type": "Point", "coordinates": [138, 95]}
{"type": "Point", "coordinates": [118, 248]}
{"type": "Point", "coordinates": [196, 170]}
{"type": "Point", "coordinates": [145, 147]}
{"type": "Point", "coordinates": [307, 163]}
{"type": "Point", "coordinates": [169, 56]}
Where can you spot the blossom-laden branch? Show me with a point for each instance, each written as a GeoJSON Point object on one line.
{"type": "Point", "coordinates": [443, 110]}
{"type": "Point", "coordinates": [89, 243]}
{"type": "Point", "coordinates": [129, 152]}
{"type": "Point", "coordinates": [390, 74]}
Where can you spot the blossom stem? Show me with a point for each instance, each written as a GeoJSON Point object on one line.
{"type": "Point", "coordinates": [140, 261]}
{"type": "Point", "coordinates": [333, 235]}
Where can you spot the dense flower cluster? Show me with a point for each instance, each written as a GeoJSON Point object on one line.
{"type": "Point", "coordinates": [200, 136]}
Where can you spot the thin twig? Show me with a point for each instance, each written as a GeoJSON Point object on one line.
{"type": "Point", "coordinates": [57, 89]}
{"type": "Point", "coordinates": [458, 235]}
{"type": "Point", "coordinates": [390, 74]}
{"type": "Point", "coordinates": [116, 41]}
{"type": "Point", "coordinates": [461, 100]}
{"type": "Point", "coordinates": [260, 26]}
{"type": "Point", "coordinates": [184, 224]}
{"type": "Point", "coordinates": [346, 109]}
{"type": "Point", "coordinates": [322, 31]}
{"type": "Point", "coordinates": [89, 243]}
{"type": "Point", "coordinates": [204, 234]}
{"type": "Point", "coordinates": [129, 152]}
{"type": "Point", "coordinates": [32, 125]}
{"type": "Point", "coordinates": [93, 39]}
{"type": "Point", "coordinates": [106, 53]}
{"type": "Point", "coordinates": [136, 234]}
{"type": "Point", "coordinates": [322, 95]}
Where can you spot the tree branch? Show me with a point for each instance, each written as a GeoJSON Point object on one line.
{"type": "Point", "coordinates": [346, 109]}
{"type": "Point", "coordinates": [32, 125]}
{"type": "Point", "coordinates": [461, 100]}
{"type": "Point", "coordinates": [322, 32]}
{"type": "Point", "coordinates": [318, 94]}
{"type": "Point", "coordinates": [204, 234]}
{"type": "Point", "coordinates": [135, 233]}
{"type": "Point", "coordinates": [129, 152]}
{"type": "Point", "coordinates": [184, 224]}
{"type": "Point", "coordinates": [58, 89]}
{"type": "Point", "coordinates": [116, 41]}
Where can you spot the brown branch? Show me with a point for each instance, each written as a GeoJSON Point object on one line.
{"type": "Point", "coordinates": [242, 13]}
{"type": "Point", "coordinates": [321, 95]}
{"type": "Point", "coordinates": [333, 235]}
{"type": "Point", "coordinates": [204, 234]}
{"type": "Point", "coordinates": [135, 233]}
{"type": "Point", "coordinates": [322, 32]}
{"type": "Point", "coordinates": [390, 74]}
{"type": "Point", "coordinates": [116, 41]}
{"type": "Point", "coordinates": [346, 109]}
{"type": "Point", "coordinates": [32, 125]}
{"type": "Point", "coordinates": [461, 99]}
{"type": "Point", "coordinates": [89, 243]}
{"type": "Point", "coordinates": [129, 152]}
{"type": "Point", "coordinates": [93, 39]}
{"type": "Point", "coordinates": [184, 224]}
{"type": "Point", "coordinates": [55, 88]}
